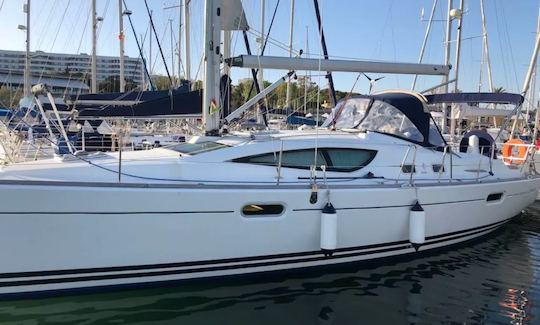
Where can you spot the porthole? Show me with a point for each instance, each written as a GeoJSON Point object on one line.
{"type": "Point", "coordinates": [256, 210]}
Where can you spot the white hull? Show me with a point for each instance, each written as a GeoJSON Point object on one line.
{"type": "Point", "coordinates": [244, 203]}
{"type": "Point", "coordinates": [166, 233]}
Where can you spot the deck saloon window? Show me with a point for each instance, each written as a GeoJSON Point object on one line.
{"type": "Point", "coordinates": [336, 159]}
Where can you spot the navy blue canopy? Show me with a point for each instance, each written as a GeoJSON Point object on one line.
{"type": "Point", "coordinates": [496, 98]}
{"type": "Point", "coordinates": [157, 104]}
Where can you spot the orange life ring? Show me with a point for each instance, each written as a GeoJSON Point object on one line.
{"type": "Point", "coordinates": [514, 152]}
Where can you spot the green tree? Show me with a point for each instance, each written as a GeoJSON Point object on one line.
{"type": "Point", "coordinates": [161, 82]}
{"type": "Point", "coordinates": [111, 84]}
{"type": "Point", "coordinates": [197, 85]}
{"type": "Point", "coordinates": [9, 97]}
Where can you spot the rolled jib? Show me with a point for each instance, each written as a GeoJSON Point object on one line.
{"type": "Point", "coordinates": [328, 229]}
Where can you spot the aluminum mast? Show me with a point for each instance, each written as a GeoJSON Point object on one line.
{"type": "Point", "coordinates": [291, 30]}
{"type": "Point", "coordinates": [212, 56]}
{"type": "Point", "coordinates": [121, 36]}
{"type": "Point", "coordinates": [94, 47]}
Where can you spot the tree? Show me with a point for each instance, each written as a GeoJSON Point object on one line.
{"type": "Point", "coordinates": [9, 97]}
{"type": "Point", "coordinates": [111, 84]}
{"type": "Point", "coordinates": [197, 85]}
{"type": "Point", "coordinates": [161, 82]}
{"type": "Point", "coordinates": [499, 90]}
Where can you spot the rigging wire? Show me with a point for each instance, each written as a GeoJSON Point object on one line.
{"type": "Point", "coordinates": [316, 151]}
{"type": "Point", "coordinates": [140, 50]}
{"type": "Point", "coordinates": [163, 35]}
{"type": "Point", "coordinates": [41, 38]}
{"type": "Point", "coordinates": [104, 16]}
{"type": "Point", "coordinates": [54, 40]}
{"type": "Point", "coordinates": [158, 43]}
{"type": "Point", "coordinates": [265, 42]}
{"type": "Point", "coordinates": [503, 60]}
{"type": "Point", "coordinates": [83, 77]}
{"type": "Point", "coordinates": [512, 60]}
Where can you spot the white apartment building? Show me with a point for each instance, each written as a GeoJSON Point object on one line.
{"type": "Point", "coordinates": [74, 69]}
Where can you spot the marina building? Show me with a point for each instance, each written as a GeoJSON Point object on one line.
{"type": "Point", "coordinates": [64, 73]}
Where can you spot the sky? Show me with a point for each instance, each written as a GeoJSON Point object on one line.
{"type": "Point", "coordinates": [382, 30]}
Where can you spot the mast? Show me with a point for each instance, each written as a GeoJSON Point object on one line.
{"type": "Point", "coordinates": [121, 36]}
{"type": "Point", "coordinates": [187, 31]}
{"type": "Point", "coordinates": [150, 45]}
{"type": "Point", "coordinates": [458, 15]}
{"type": "Point", "coordinates": [212, 40]}
{"type": "Point", "coordinates": [225, 81]}
{"type": "Point", "coordinates": [447, 61]}
{"type": "Point", "coordinates": [143, 70]}
{"type": "Point", "coordinates": [226, 51]}
{"type": "Point", "coordinates": [529, 74]}
{"type": "Point", "coordinates": [288, 99]}
{"type": "Point", "coordinates": [447, 41]}
{"type": "Point", "coordinates": [27, 83]}
{"type": "Point", "coordinates": [173, 82]}
{"type": "Point", "coordinates": [424, 43]}
{"type": "Point", "coordinates": [485, 46]}
{"type": "Point", "coordinates": [306, 75]}
{"type": "Point", "coordinates": [260, 74]}
{"type": "Point", "coordinates": [94, 47]}
{"type": "Point", "coordinates": [179, 46]}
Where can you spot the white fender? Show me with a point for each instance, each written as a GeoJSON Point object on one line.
{"type": "Point", "coordinates": [328, 229]}
{"type": "Point", "coordinates": [417, 226]}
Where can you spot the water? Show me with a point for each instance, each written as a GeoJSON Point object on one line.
{"type": "Point", "coordinates": [494, 280]}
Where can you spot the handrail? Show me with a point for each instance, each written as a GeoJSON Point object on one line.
{"type": "Point", "coordinates": [413, 166]}
{"type": "Point", "coordinates": [280, 160]}
{"type": "Point", "coordinates": [441, 169]}
{"type": "Point", "coordinates": [403, 162]}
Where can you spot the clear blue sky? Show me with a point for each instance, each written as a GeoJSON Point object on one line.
{"type": "Point", "coordinates": [388, 30]}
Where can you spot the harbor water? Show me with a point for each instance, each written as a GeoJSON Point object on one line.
{"type": "Point", "coordinates": [492, 280]}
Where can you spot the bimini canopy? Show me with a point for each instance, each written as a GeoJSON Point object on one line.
{"type": "Point", "coordinates": [488, 98]}
{"type": "Point", "coordinates": [400, 114]}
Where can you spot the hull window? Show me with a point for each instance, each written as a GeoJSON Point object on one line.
{"type": "Point", "coordinates": [253, 210]}
{"type": "Point", "coordinates": [494, 197]}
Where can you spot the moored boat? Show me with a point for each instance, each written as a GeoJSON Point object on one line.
{"type": "Point", "coordinates": [253, 202]}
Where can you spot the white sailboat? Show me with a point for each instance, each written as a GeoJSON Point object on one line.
{"type": "Point", "coordinates": [378, 181]}
{"type": "Point", "coordinates": [252, 203]}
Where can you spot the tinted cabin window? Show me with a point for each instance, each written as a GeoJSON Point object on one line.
{"type": "Point", "coordinates": [342, 159]}
{"type": "Point", "coordinates": [336, 159]}
{"type": "Point", "coordinates": [302, 159]}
